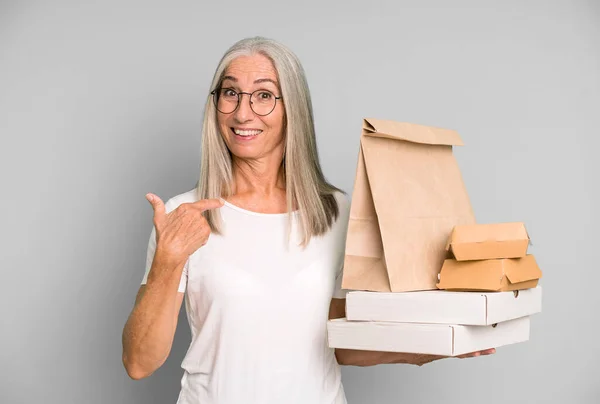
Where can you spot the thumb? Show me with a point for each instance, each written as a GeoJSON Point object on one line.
{"type": "Point", "coordinates": [157, 205]}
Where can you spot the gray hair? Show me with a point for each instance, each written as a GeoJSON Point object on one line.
{"type": "Point", "coordinates": [306, 187]}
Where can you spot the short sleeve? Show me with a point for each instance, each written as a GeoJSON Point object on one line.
{"type": "Point", "coordinates": [341, 230]}
{"type": "Point", "coordinates": [338, 292]}
{"type": "Point", "coordinates": [150, 257]}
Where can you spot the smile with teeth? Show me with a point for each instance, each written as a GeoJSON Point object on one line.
{"type": "Point", "coordinates": [246, 133]}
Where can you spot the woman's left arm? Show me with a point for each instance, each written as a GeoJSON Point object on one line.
{"type": "Point", "coordinates": [354, 357]}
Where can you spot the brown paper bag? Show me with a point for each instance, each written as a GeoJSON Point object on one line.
{"type": "Point", "coordinates": [408, 196]}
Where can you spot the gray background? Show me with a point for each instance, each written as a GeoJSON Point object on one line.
{"type": "Point", "coordinates": [101, 102]}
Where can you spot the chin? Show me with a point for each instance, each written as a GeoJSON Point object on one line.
{"type": "Point", "coordinates": [244, 152]}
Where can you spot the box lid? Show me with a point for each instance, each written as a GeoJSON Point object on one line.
{"type": "Point", "coordinates": [411, 132]}
{"type": "Point", "coordinates": [488, 241]}
{"type": "Point", "coordinates": [442, 307]}
{"type": "Point", "coordinates": [522, 269]}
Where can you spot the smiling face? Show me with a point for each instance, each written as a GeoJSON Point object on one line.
{"type": "Point", "coordinates": [248, 135]}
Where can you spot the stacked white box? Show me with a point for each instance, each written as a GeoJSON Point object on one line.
{"type": "Point", "coordinates": [434, 322]}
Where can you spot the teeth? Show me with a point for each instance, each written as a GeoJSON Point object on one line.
{"type": "Point", "coordinates": [247, 132]}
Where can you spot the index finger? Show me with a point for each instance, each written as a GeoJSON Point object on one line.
{"type": "Point", "coordinates": [207, 204]}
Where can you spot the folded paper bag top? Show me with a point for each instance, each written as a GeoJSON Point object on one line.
{"type": "Point", "coordinates": [488, 241]}
{"type": "Point", "coordinates": [408, 196]}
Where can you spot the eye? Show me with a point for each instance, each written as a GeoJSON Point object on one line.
{"type": "Point", "coordinates": [228, 92]}
{"type": "Point", "coordinates": [265, 95]}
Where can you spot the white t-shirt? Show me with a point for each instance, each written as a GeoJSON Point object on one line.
{"type": "Point", "coordinates": [258, 311]}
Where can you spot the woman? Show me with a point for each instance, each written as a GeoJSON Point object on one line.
{"type": "Point", "coordinates": [260, 289]}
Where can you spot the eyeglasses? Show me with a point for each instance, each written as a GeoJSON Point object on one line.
{"type": "Point", "coordinates": [227, 100]}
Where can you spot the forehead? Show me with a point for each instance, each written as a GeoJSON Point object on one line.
{"type": "Point", "coordinates": [250, 68]}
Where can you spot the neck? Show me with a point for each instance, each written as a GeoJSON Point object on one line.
{"type": "Point", "coordinates": [258, 177]}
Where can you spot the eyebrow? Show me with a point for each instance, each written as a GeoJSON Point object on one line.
{"type": "Point", "coordinates": [258, 81]}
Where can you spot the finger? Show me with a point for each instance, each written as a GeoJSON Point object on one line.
{"type": "Point", "coordinates": [468, 355]}
{"type": "Point", "coordinates": [207, 204]}
{"type": "Point", "coordinates": [478, 353]}
{"type": "Point", "coordinates": [157, 205]}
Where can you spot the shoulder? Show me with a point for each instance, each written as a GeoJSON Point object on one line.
{"type": "Point", "coordinates": [185, 197]}
{"type": "Point", "coordinates": [343, 202]}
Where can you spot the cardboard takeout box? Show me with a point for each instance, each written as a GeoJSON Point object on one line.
{"type": "Point", "coordinates": [488, 241]}
{"type": "Point", "coordinates": [408, 196]}
{"type": "Point", "coordinates": [490, 275]}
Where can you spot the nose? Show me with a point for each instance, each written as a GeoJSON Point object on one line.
{"type": "Point", "coordinates": [244, 113]}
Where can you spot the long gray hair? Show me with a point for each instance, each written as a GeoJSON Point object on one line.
{"type": "Point", "coordinates": [306, 187]}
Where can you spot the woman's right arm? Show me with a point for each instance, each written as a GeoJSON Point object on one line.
{"type": "Point", "coordinates": [150, 329]}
